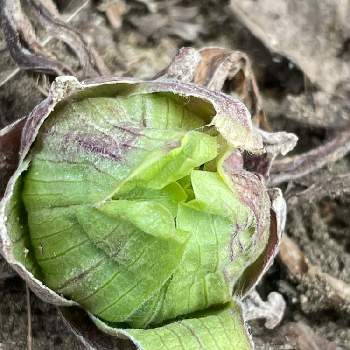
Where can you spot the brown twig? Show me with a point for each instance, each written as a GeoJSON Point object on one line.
{"type": "Point", "coordinates": [328, 111]}
{"type": "Point", "coordinates": [295, 167]}
{"type": "Point", "coordinates": [335, 291]}
{"type": "Point", "coordinates": [300, 336]}
{"type": "Point", "coordinates": [45, 41]}
{"type": "Point", "coordinates": [114, 11]}
{"type": "Point", "coordinates": [18, 30]}
{"type": "Point", "coordinates": [58, 29]}
{"type": "Point", "coordinates": [330, 185]}
{"type": "Point", "coordinates": [29, 53]}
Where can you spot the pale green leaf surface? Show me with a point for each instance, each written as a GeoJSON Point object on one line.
{"type": "Point", "coordinates": [111, 257]}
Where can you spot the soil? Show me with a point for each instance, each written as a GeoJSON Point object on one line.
{"type": "Point", "coordinates": [320, 227]}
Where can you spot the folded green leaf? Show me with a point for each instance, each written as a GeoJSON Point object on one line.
{"type": "Point", "coordinates": [217, 329]}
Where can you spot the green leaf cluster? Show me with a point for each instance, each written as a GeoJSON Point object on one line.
{"type": "Point", "coordinates": [129, 212]}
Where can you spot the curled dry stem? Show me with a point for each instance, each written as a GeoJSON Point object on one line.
{"type": "Point", "coordinates": [29, 53]}
{"type": "Point", "coordinates": [330, 185]}
{"type": "Point", "coordinates": [295, 167]}
{"type": "Point", "coordinates": [300, 336]}
{"type": "Point", "coordinates": [22, 43]}
{"type": "Point", "coordinates": [60, 30]}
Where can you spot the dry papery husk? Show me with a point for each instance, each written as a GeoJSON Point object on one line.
{"type": "Point", "coordinates": [230, 117]}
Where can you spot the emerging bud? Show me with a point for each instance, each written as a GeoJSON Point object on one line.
{"type": "Point", "coordinates": [131, 199]}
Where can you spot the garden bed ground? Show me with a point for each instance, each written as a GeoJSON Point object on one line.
{"type": "Point", "coordinates": [139, 40]}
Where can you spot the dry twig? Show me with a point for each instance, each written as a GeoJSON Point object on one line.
{"type": "Point", "coordinates": [22, 43]}
{"type": "Point", "coordinates": [329, 185]}
{"type": "Point", "coordinates": [60, 30]}
{"type": "Point", "coordinates": [14, 72]}
{"type": "Point", "coordinates": [295, 167]}
{"type": "Point", "coordinates": [29, 53]}
{"type": "Point", "coordinates": [302, 337]}
{"type": "Point", "coordinates": [335, 291]}
{"type": "Point", "coordinates": [114, 11]}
